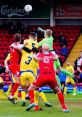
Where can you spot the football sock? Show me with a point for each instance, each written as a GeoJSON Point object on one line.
{"type": "Point", "coordinates": [61, 99]}
{"type": "Point", "coordinates": [31, 95]}
{"type": "Point", "coordinates": [14, 88]}
{"type": "Point", "coordinates": [65, 90]}
{"type": "Point", "coordinates": [23, 94]}
{"type": "Point", "coordinates": [16, 94]}
{"type": "Point", "coordinates": [36, 95]}
{"type": "Point", "coordinates": [74, 90]}
{"type": "Point", "coordinates": [43, 97]}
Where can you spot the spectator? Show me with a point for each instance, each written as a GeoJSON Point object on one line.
{"type": "Point", "coordinates": [62, 40]}
{"type": "Point", "coordinates": [75, 64]}
{"type": "Point", "coordinates": [64, 51]}
{"type": "Point", "coordinates": [77, 73]}
{"type": "Point", "coordinates": [79, 68]}
{"type": "Point", "coordinates": [70, 68]}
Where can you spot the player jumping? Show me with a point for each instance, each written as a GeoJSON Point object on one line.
{"type": "Point", "coordinates": [49, 40]}
{"type": "Point", "coordinates": [14, 67]}
{"type": "Point", "coordinates": [47, 76]}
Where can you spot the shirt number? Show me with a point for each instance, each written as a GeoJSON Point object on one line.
{"type": "Point", "coordinates": [46, 59]}
{"type": "Point", "coordinates": [33, 45]}
{"type": "Point", "coordinates": [29, 60]}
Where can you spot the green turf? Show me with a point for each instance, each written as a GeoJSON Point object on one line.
{"type": "Point", "coordinates": [74, 103]}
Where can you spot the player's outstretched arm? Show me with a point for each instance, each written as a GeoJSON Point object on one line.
{"type": "Point", "coordinates": [41, 42]}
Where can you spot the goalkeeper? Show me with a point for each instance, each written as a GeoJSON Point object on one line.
{"type": "Point", "coordinates": [49, 40]}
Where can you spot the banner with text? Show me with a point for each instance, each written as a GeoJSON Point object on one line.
{"type": "Point", "coordinates": [7, 11]}
{"type": "Point", "coordinates": [68, 10]}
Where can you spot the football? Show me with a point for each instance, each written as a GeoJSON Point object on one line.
{"type": "Point", "coordinates": [28, 8]}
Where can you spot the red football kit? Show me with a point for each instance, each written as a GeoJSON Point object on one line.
{"type": "Point", "coordinates": [14, 61]}
{"type": "Point", "coordinates": [15, 70]}
{"type": "Point", "coordinates": [47, 74]}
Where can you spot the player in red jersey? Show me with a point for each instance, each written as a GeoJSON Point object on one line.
{"type": "Point", "coordinates": [47, 76]}
{"type": "Point", "coordinates": [14, 67]}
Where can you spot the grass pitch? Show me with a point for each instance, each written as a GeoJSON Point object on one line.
{"type": "Point", "coordinates": [7, 109]}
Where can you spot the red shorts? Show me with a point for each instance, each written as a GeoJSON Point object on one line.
{"type": "Point", "coordinates": [15, 69]}
{"type": "Point", "coordinates": [46, 79]}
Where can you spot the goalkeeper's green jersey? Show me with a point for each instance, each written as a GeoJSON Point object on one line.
{"type": "Point", "coordinates": [48, 40]}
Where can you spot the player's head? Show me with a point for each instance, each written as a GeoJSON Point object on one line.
{"type": "Point", "coordinates": [17, 37]}
{"type": "Point", "coordinates": [45, 48]}
{"type": "Point", "coordinates": [48, 33]}
{"type": "Point", "coordinates": [33, 36]}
